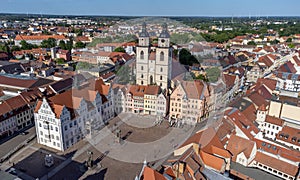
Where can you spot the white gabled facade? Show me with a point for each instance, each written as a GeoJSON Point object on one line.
{"type": "Point", "coordinates": [64, 119]}
{"type": "Point", "coordinates": [49, 127]}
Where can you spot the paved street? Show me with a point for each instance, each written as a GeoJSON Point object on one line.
{"type": "Point", "coordinates": [141, 140]}
{"type": "Point", "coordinates": [9, 145]}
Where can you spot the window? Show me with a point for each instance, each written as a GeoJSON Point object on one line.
{"type": "Point", "coordinates": [142, 76]}
{"type": "Point", "coordinates": [161, 69]}
{"type": "Point", "coordinates": [142, 68]}
{"type": "Point", "coordinates": [161, 78]}
{"type": "Point", "coordinates": [56, 129]}
{"type": "Point", "coordinates": [142, 54]}
{"type": "Point", "coordinates": [161, 56]}
{"type": "Point", "coordinates": [142, 82]}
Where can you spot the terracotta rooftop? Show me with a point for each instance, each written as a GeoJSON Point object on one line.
{"type": "Point", "coordinates": [237, 145]}
{"type": "Point", "coordinates": [150, 174]}
{"type": "Point", "coordinates": [39, 37]}
{"type": "Point", "coordinates": [290, 135]}
{"type": "Point", "coordinates": [276, 164]}
{"type": "Point", "coordinates": [274, 120]}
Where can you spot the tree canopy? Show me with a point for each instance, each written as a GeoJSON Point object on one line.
{"type": "Point", "coordinates": [213, 74]}
{"type": "Point", "coordinates": [120, 49]}
{"type": "Point", "coordinates": [80, 44]}
{"type": "Point", "coordinates": [49, 43]}
{"type": "Point", "coordinates": [186, 58]}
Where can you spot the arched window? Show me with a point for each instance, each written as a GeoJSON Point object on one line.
{"type": "Point", "coordinates": [142, 54]}
{"type": "Point", "coordinates": [161, 69]}
{"type": "Point", "coordinates": [142, 82]}
{"type": "Point", "coordinates": [151, 80]}
{"type": "Point", "coordinates": [161, 56]}
{"type": "Point", "coordinates": [161, 78]}
{"type": "Point", "coordinates": [142, 76]}
{"type": "Point", "coordinates": [142, 68]}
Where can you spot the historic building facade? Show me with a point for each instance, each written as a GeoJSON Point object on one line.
{"type": "Point", "coordinates": [154, 65]}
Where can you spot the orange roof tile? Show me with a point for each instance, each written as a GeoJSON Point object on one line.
{"type": "Point", "coordinates": [274, 120]}
{"type": "Point", "coordinates": [150, 174]}
{"type": "Point", "coordinates": [212, 161]}
{"type": "Point", "coordinates": [237, 145]}
{"type": "Point", "coordinates": [39, 37]}
{"type": "Point", "coordinates": [276, 164]}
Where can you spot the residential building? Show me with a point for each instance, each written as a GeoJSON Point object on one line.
{"type": "Point", "coordinates": [188, 102]}
{"type": "Point", "coordinates": [38, 39]}
{"type": "Point", "coordinates": [254, 73]}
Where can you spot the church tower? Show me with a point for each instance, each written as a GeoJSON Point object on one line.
{"type": "Point", "coordinates": [163, 59]}
{"type": "Point", "coordinates": [155, 66]}
{"type": "Point", "coordinates": [142, 55]}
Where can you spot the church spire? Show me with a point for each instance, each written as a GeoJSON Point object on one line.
{"type": "Point", "coordinates": [164, 32]}
{"type": "Point", "coordinates": [144, 32]}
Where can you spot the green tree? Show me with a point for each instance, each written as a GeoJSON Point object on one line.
{"type": "Point", "coordinates": [202, 77]}
{"type": "Point", "coordinates": [80, 44]}
{"type": "Point", "coordinates": [4, 47]}
{"type": "Point", "coordinates": [120, 49]}
{"type": "Point", "coordinates": [289, 40]}
{"type": "Point", "coordinates": [292, 46]}
{"type": "Point", "coordinates": [213, 74]}
{"type": "Point", "coordinates": [25, 45]}
{"type": "Point", "coordinates": [60, 60]}
{"type": "Point", "coordinates": [186, 58]}
{"type": "Point", "coordinates": [62, 45]}
{"type": "Point", "coordinates": [251, 43]}
{"type": "Point", "coordinates": [49, 43]}
{"type": "Point", "coordinates": [69, 45]}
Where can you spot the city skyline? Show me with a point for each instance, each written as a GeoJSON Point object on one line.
{"type": "Point", "coordinates": [229, 8]}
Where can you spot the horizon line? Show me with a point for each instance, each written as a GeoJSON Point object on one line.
{"type": "Point", "coordinates": [121, 15]}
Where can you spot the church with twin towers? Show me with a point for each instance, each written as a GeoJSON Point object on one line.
{"type": "Point", "coordinates": [154, 64]}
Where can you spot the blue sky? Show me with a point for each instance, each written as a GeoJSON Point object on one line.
{"type": "Point", "coordinates": [155, 7]}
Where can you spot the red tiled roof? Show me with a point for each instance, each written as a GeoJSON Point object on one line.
{"type": "Point", "coordinates": [250, 112]}
{"type": "Point", "coordinates": [290, 135]}
{"type": "Point", "coordinates": [237, 145]}
{"type": "Point", "coordinates": [274, 120]}
{"type": "Point", "coordinates": [296, 60]}
{"type": "Point", "coordinates": [150, 174]}
{"type": "Point", "coordinates": [229, 80]}
{"type": "Point", "coordinates": [266, 60]}
{"type": "Point", "coordinates": [24, 83]}
{"type": "Point", "coordinates": [257, 99]}
{"type": "Point", "coordinates": [242, 122]}
{"type": "Point", "coordinates": [39, 37]}
{"type": "Point", "coordinates": [193, 89]}
{"type": "Point", "coordinates": [212, 161]}
{"type": "Point", "coordinates": [276, 164]}
{"type": "Point", "coordinates": [287, 67]}
{"type": "Point", "coordinates": [82, 39]}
